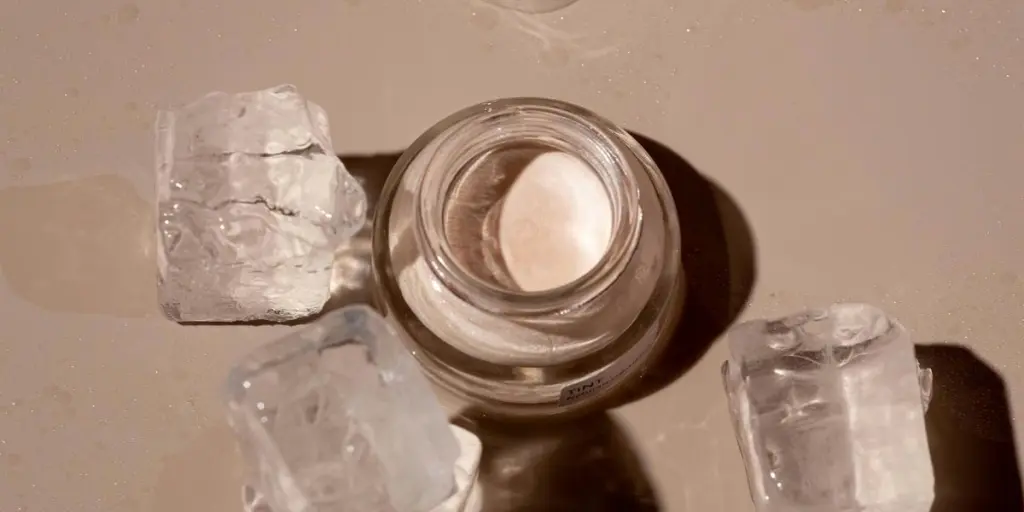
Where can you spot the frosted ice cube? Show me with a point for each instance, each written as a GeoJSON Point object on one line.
{"type": "Point", "coordinates": [467, 496]}
{"type": "Point", "coordinates": [252, 204]}
{"type": "Point", "coordinates": [338, 417]}
{"type": "Point", "coordinates": [828, 408]}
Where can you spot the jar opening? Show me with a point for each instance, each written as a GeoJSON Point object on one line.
{"type": "Point", "coordinates": [528, 209]}
{"type": "Point", "coordinates": [528, 217]}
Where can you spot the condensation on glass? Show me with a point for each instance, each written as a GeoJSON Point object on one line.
{"type": "Point", "coordinates": [444, 277]}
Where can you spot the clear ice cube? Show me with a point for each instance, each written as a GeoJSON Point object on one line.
{"type": "Point", "coordinates": [252, 203]}
{"type": "Point", "coordinates": [828, 408]}
{"type": "Point", "coordinates": [338, 417]}
{"type": "Point", "coordinates": [466, 497]}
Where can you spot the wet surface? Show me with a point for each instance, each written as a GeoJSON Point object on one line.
{"type": "Point", "coordinates": [835, 151]}
{"type": "Point", "coordinates": [80, 246]}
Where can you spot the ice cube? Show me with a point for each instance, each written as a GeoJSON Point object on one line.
{"type": "Point", "coordinates": [252, 204]}
{"type": "Point", "coordinates": [828, 408]}
{"type": "Point", "coordinates": [467, 494]}
{"type": "Point", "coordinates": [338, 417]}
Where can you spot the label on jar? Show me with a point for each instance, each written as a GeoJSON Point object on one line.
{"type": "Point", "coordinates": [612, 373]}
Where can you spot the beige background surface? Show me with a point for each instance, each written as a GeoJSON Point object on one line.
{"type": "Point", "coordinates": [875, 148]}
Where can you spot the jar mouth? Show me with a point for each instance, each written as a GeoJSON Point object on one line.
{"type": "Point", "coordinates": [546, 125]}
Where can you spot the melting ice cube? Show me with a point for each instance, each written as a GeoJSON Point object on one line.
{"type": "Point", "coordinates": [338, 417]}
{"type": "Point", "coordinates": [252, 203]}
{"type": "Point", "coordinates": [829, 409]}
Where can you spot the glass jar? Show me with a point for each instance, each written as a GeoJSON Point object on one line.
{"type": "Point", "coordinates": [443, 248]}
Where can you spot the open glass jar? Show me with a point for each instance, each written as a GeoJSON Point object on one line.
{"type": "Point", "coordinates": [530, 251]}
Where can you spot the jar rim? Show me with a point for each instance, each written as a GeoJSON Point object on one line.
{"type": "Point", "coordinates": [566, 127]}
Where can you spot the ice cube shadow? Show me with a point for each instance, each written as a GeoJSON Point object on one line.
{"type": "Point", "coordinates": [80, 246]}
{"type": "Point", "coordinates": [587, 463]}
{"type": "Point", "coordinates": [970, 433]}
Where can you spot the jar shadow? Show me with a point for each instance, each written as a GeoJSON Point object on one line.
{"type": "Point", "coordinates": [970, 433]}
{"type": "Point", "coordinates": [719, 265]}
{"type": "Point", "coordinates": [588, 463]}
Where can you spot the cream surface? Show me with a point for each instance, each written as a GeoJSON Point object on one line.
{"type": "Point", "coordinates": [555, 223]}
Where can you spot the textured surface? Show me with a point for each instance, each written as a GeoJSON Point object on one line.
{"type": "Point", "coordinates": [873, 147]}
{"type": "Point", "coordinates": [828, 412]}
{"type": "Point", "coordinates": [338, 417]}
{"type": "Point", "coordinates": [252, 204]}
